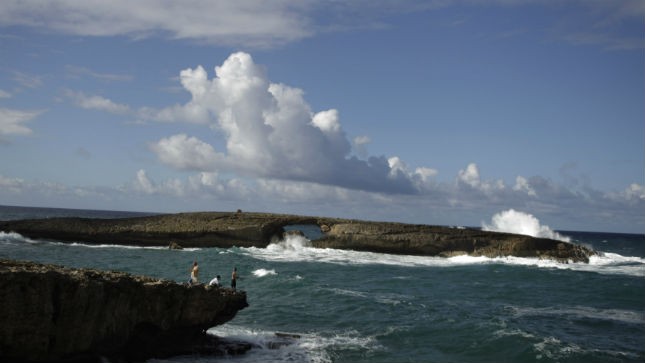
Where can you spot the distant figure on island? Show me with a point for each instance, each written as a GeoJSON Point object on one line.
{"type": "Point", "coordinates": [234, 278]}
{"type": "Point", "coordinates": [194, 274]}
{"type": "Point", "coordinates": [214, 281]}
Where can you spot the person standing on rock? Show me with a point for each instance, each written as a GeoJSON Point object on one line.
{"type": "Point", "coordinates": [234, 278]}
{"type": "Point", "coordinates": [194, 274]}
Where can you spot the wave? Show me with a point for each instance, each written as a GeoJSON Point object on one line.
{"type": "Point", "coordinates": [298, 248]}
{"type": "Point", "coordinates": [17, 238]}
{"type": "Point", "coordinates": [261, 272]}
{"type": "Point", "coordinates": [301, 347]}
{"type": "Point", "coordinates": [512, 221]}
{"type": "Point", "coordinates": [553, 349]}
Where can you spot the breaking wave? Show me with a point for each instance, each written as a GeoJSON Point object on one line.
{"type": "Point", "coordinates": [298, 248]}
{"type": "Point", "coordinates": [512, 221]}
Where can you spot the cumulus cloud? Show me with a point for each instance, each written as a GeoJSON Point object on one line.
{"type": "Point", "coordinates": [186, 153]}
{"type": "Point", "coordinates": [512, 221]}
{"type": "Point", "coordinates": [522, 185]}
{"type": "Point", "coordinates": [634, 193]}
{"type": "Point", "coordinates": [470, 177]}
{"type": "Point", "coordinates": [271, 132]}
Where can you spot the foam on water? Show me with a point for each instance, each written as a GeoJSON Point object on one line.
{"type": "Point", "coordinates": [298, 248]}
{"type": "Point", "coordinates": [261, 272]}
{"type": "Point", "coordinates": [16, 238]}
{"type": "Point", "coordinates": [307, 347]}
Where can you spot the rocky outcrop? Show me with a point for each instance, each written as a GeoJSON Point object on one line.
{"type": "Point", "coordinates": [51, 313]}
{"type": "Point", "coordinates": [220, 229]}
{"type": "Point", "coordinates": [445, 241]}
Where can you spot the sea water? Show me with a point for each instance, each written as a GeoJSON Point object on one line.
{"type": "Point", "coordinates": [348, 306]}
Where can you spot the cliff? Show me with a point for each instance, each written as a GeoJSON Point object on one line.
{"type": "Point", "coordinates": [221, 229]}
{"type": "Point", "coordinates": [51, 313]}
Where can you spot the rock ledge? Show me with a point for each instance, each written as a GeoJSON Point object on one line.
{"type": "Point", "coordinates": [55, 314]}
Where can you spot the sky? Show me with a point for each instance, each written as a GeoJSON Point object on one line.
{"type": "Point", "coordinates": [447, 112]}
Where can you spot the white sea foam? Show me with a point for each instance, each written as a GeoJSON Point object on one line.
{"type": "Point", "coordinates": [309, 347]}
{"type": "Point", "coordinates": [261, 272]}
{"type": "Point", "coordinates": [512, 221]}
{"type": "Point", "coordinates": [298, 248]}
{"type": "Point", "coordinates": [15, 238]}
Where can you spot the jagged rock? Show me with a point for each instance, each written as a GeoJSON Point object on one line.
{"type": "Point", "coordinates": [219, 229]}
{"type": "Point", "coordinates": [53, 313]}
{"type": "Point", "coordinates": [175, 246]}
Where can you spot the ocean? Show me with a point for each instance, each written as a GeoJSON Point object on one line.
{"type": "Point", "coordinates": [368, 307]}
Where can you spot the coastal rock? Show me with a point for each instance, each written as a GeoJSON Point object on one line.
{"type": "Point", "coordinates": [53, 313]}
{"type": "Point", "coordinates": [426, 240]}
{"type": "Point", "coordinates": [221, 229]}
{"type": "Point", "coordinates": [175, 246]}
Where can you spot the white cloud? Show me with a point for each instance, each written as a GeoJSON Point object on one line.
{"type": "Point", "coordinates": [186, 153]}
{"type": "Point", "coordinates": [12, 121]}
{"type": "Point", "coordinates": [522, 185]}
{"type": "Point", "coordinates": [4, 94]}
{"type": "Point", "coordinates": [270, 130]}
{"type": "Point", "coordinates": [327, 121]}
{"type": "Point", "coordinates": [470, 177]}
{"type": "Point", "coordinates": [144, 184]}
{"type": "Point", "coordinates": [634, 193]}
{"type": "Point", "coordinates": [251, 22]}
{"type": "Point", "coordinates": [425, 174]}
{"type": "Point", "coordinates": [13, 185]}
{"type": "Point", "coordinates": [97, 103]}
{"type": "Point", "coordinates": [362, 140]}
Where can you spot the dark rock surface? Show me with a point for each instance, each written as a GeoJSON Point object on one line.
{"type": "Point", "coordinates": [52, 313]}
{"type": "Point", "coordinates": [221, 229]}
{"type": "Point", "coordinates": [446, 241]}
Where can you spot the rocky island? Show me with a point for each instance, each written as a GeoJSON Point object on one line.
{"type": "Point", "coordinates": [227, 229]}
{"type": "Point", "coordinates": [51, 313]}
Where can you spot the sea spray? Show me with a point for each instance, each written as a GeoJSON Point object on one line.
{"type": "Point", "coordinates": [261, 272]}
{"type": "Point", "coordinates": [512, 221]}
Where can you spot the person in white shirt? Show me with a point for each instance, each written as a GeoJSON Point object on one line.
{"type": "Point", "coordinates": [214, 281]}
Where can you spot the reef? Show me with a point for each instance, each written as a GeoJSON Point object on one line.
{"type": "Point", "coordinates": [243, 229]}
{"type": "Point", "coordinates": [52, 313]}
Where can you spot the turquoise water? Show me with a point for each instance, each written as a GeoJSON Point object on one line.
{"type": "Point", "coordinates": [367, 307]}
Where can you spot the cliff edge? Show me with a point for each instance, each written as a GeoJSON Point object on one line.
{"type": "Point", "coordinates": [55, 314]}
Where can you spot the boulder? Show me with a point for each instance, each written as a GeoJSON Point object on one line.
{"type": "Point", "coordinates": [53, 313]}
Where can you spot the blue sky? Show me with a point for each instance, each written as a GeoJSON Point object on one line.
{"type": "Point", "coordinates": [434, 112]}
